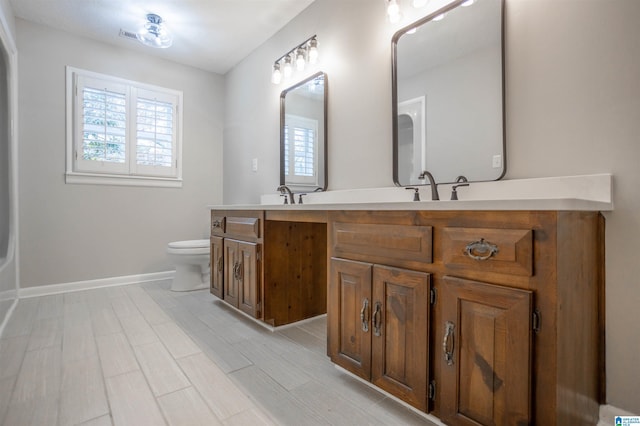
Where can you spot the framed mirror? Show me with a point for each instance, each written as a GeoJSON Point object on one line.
{"type": "Point", "coordinates": [448, 95]}
{"type": "Point", "coordinates": [303, 135]}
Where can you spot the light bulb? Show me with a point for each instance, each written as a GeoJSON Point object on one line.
{"type": "Point", "coordinates": [300, 61]}
{"type": "Point", "coordinates": [312, 53]}
{"type": "Point", "coordinates": [276, 75]}
{"type": "Point", "coordinates": [288, 69]}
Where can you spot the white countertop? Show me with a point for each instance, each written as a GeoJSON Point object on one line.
{"type": "Point", "coordinates": [570, 193]}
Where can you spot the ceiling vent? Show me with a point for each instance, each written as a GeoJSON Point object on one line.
{"type": "Point", "coordinates": [128, 34]}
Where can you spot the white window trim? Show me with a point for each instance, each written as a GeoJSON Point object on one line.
{"type": "Point", "coordinates": [73, 176]}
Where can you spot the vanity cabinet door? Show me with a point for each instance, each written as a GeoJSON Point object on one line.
{"type": "Point", "coordinates": [248, 256]}
{"type": "Point", "coordinates": [230, 287]}
{"type": "Point", "coordinates": [241, 275]}
{"type": "Point", "coordinates": [349, 316]}
{"type": "Point", "coordinates": [486, 350]}
{"type": "Point", "coordinates": [378, 325]}
{"type": "Point", "coordinates": [217, 267]}
{"type": "Point", "coordinates": [400, 324]}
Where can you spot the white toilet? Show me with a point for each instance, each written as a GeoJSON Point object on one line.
{"type": "Point", "coordinates": [191, 259]}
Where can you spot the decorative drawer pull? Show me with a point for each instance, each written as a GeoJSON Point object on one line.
{"type": "Point", "coordinates": [216, 224]}
{"type": "Point", "coordinates": [481, 250]}
{"type": "Point", "coordinates": [220, 264]}
{"type": "Point", "coordinates": [448, 337]}
{"type": "Point", "coordinates": [364, 315]}
{"type": "Point", "coordinates": [377, 323]}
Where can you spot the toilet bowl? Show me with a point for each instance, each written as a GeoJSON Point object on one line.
{"type": "Point", "coordinates": [191, 259]}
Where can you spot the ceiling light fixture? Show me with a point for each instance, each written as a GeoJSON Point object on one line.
{"type": "Point", "coordinates": [305, 52]}
{"type": "Point", "coordinates": [153, 33]}
{"type": "Point", "coordinates": [393, 11]}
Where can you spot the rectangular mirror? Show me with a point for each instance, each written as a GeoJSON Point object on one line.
{"type": "Point", "coordinates": [303, 135]}
{"type": "Point", "coordinates": [448, 95]}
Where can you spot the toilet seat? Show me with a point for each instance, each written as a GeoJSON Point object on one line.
{"type": "Point", "coordinates": [188, 247]}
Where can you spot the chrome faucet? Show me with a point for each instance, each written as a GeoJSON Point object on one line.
{"type": "Point", "coordinates": [434, 187]}
{"type": "Point", "coordinates": [285, 189]}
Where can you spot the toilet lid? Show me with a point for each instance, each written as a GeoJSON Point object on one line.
{"type": "Point", "coordinates": [189, 244]}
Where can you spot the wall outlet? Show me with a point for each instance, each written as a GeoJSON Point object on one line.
{"type": "Point", "coordinates": [497, 161]}
{"type": "Point", "coordinates": [254, 165]}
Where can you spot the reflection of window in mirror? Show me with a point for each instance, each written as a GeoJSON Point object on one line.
{"type": "Point", "coordinates": [300, 150]}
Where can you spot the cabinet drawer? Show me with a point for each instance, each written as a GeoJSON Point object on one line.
{"type": "Point", "coordinates": [389, 244]}
{"type": "Point", "coordinates": [507, 251]}
{"type": "Point", "coordinates": [243, 226]}
{"type": "Point", "coordinates": [217, 224]}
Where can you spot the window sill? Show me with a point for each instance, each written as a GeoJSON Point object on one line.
{"type": "Point", "coordinates": [102, 179]}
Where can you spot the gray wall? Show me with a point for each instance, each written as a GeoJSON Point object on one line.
{"type": "Point", "coordinates": [573, 107]}
{"type": "Point", "coordinates": [74, 233]}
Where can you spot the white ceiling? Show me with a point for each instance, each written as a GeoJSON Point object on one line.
{"type": "Point", "coordinates": [213, 35]}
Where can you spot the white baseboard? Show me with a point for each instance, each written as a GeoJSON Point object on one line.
{"type": "Point", "coordinates": [45, 290]}
{"type": "Point", "coordinates": [608, 413]}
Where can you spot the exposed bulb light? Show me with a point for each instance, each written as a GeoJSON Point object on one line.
{"type": "Point", "coordinates": [276, 75]}
{"type": "Point", "coordinates": [305, 52]}
{"type": "Point", "coordinates": [300, 60]}
{"type": "Point", "coordinates": [153, 33]}
{"type": "Point", "coordinates": [467, 3]}
{"type": "Point", "coordinates": [393, 11]}
{"type": "Point", "coordinates": [313, 51]}
{"type": "Point", "coordinates": [419, 3]}
{"type": "Point", "coordinates": [288, 68]}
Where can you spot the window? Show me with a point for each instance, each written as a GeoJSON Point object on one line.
{"type": "Point", "coordinates": [122, 132]}
{"type": "Point", "coordinates": [300, 148]}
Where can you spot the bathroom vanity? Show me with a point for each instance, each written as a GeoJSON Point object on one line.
{"type": "Point", "coordinates": [472, 314]}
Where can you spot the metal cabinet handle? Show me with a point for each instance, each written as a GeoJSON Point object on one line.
{"type": "Point", "coordinates": [216, 224]}
{"type": "Point", "coordinates": [364, 315]}
{"type": "Point", "coordinates": [481, 250]}
{"type": "Point", "coordinates": [448, 338]}
{"type": "Point", "coordinates": [377, 322]}
{"type": "Point", "coordinates": [220, 264]}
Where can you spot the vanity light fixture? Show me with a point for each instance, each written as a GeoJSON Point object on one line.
{"type": "Point", "coordinates": [153, 33]}
{"type": "Point", "coordinates": [305, 52]}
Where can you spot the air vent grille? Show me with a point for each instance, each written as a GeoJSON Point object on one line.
{"type": "Point", "coordinates": [128, 34]}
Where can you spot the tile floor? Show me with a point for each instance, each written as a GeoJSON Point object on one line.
{"type": "Point", "coordinates": [143, 355]}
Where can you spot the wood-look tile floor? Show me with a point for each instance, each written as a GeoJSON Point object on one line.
{"type": "Point", "coordinates": [143, 355]}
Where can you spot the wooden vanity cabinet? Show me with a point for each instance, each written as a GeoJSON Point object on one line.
{"type": "Point", "coordinates": [378, 313]}
{"type": "Point", "coordinates": [271, 265]}
{"type": "Point", "coordinates": [515, 335]}
{"type": "Point", "coordinates": [236, 254]}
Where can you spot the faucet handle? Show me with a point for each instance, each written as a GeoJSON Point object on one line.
{"type": "Point", "coordinates": [454, 193]}
{"type": "Point", "coordinates": [286, 198]}
{"type": "Point", "coordinates": [416, 194]}
{"type": "Point", "coordinates": [300, 198]}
